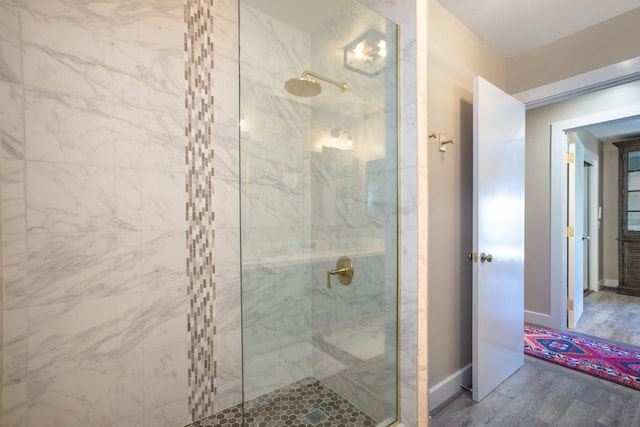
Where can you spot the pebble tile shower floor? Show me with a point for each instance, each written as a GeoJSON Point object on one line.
{"type": "Point", "coordinates": [288, 406]}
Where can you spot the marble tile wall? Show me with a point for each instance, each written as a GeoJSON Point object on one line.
{"type": "Point", "coordinates": [93, 223]}
{"type": "Point", "coordinates": [228, 344]}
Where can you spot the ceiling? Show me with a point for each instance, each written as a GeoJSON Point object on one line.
{"type": "Point", "coordinates": [513, 27]}
{"type": "Point", "coordinates": [615, 130]}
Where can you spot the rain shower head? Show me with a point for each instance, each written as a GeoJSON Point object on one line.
{"type": "Point", "coordinates": [307, 87]}
{"type": "Point", "coordinates": [303, 86]}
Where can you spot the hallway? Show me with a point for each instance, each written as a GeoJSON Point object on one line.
{"type": "Point", "coordinates": [611, 316]}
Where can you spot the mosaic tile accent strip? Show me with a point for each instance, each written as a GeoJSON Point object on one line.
{"type": "Point", "coordinates": [198, 44]}
{"type": "Point", "coordinates": [289, 406]}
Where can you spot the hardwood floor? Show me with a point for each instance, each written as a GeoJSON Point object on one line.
{"type": "Point", "coordinates": [542, 394]}
{"type": "Point", "coordinates": [611, 316]}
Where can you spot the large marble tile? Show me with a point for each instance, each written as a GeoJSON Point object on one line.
{"type": "Point", "coordinates": [136, 421]}
{"type": "Point", "coordinates": [161, 54]}
{"type": "Point", "coordinates": [72, 129]}
{"type": "Point", "coordinates": [226, 105]}
{"type": "Point", "coordinates": [14, 271]}
{"type": "Point", "coordinates": [10, 58]}
{"type": "Point", "coordinates": [227, 254]}
{"type": "Point", "coordinates": [171, 415]}
{"type": "Point", "coordinates": [227, 305]}
{"type": "Point", "coordinates": [409, 200]}
{"type": "Point", "coordinates": [269, 117]}
{"type": "Point", "coordinates": [271, 370]}
{"type": "Point", "coordinates": [408, 390]}
{"type": "Point", "coordinates": [70, 336]}
{"type": "Point", "coordinates": [273, 298]}
{"type": "Point", "coordinates": [228, 395]}
{"type": "Point", "coordinates": [271, 51]}
{"type": "Point", "coordinates": [15, 346]}
{"type": "Point", "coordinates": [409, 248]}
{"type": "Point", "coordinates": [226, 201]}
{"type": "Point", "coordinates": [14, 405]}
{"type": "Point", "coordinates": [126, 200]}
{"type": "Point", "coordinates": [226, 149]}
{"type": "Point", "coordinates": [165, 379]}
{"type": "Point", "coordinates": [101, 394]}
{"type": "Point", "coordinates": [163, 257]}
{"type": "Point", "coordinates": [77, 266]}
{"type": "Point", "coordinates": [162, 201]}
{"type": "Point", "coordinates": [129, 393]}
{"type": "Point", "coordinates": [161, 141]}
{"type": "Point", "coordinates": [14, 218]}
{"type": "Point", "coordinates": [79, 198]}
{"type": "Point", "coordinates": [68, 198]}
{"type": "Point", "coordinates": [92, 54]}
{"type": "Point", "coordinates": [165, 318]}
{"type": "Point", "coordinates": [131, 55]}
{"type": "Point", "coordinates": [12, 127]}
{"type": "Point", "coordinates": [225, 35]}
{"type": "Point", "coordinates": [409, 154]}
{"type": "Point", "coordinates": [228, 356]}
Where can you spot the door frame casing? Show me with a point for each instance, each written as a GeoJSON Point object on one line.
{"type": "Point", "coordinates": [558, 212]}
{"type": "Point", "coordinates": [594, 243]}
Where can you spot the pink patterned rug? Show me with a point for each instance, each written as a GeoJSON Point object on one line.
{"type": "Point", "coordinates": [601, 359]}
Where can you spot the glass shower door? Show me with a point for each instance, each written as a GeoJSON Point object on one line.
{"type": "Point", "coordinates": [319, 223]}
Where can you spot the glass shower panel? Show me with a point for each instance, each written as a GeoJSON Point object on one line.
{"type": "Point", "coordinates": [319, 181]}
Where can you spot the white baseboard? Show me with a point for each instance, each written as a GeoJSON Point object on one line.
{"type": "Point", "coordinates": [539, 319]}
{"type": "Point", "coordinates": [611, 283]}
{"type": "Point", "coordinates": [447, 388]}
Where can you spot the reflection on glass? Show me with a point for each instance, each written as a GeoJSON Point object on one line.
{"type": "Point", "coordinates": [634, 201]}
{"type": "Point", "coordinates": [633, 181]}
{"type": "Point", "coordinates": [633, 221]}
{"type": "Point", "coordinates": [634, 161]}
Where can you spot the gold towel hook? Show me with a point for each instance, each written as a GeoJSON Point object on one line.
{"type": "Point", "coordinates": [443, 140]}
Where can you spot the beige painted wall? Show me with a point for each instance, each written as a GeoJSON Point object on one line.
{"type": "Point", "coordinates": [537, 181]}
{"type": "Point", "coordinates": [609, 42]}
{"type": "Point", "coordinates": [610, 214]}
{"type": "Point", "coordinates": [455, 56]}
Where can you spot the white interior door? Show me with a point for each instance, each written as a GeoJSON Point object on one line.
{"type": "Point", "coordinates": [575, 231]}
{"type": "Point", "coordinates": [586, 235]}
{"type": "Point", "coordinates": [498, 236]}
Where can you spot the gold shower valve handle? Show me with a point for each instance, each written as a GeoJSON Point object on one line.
{"type": "Point", "coordinates": [344, 271]}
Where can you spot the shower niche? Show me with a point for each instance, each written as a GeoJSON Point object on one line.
{"type": "Point", "coordinates": [318, 181]}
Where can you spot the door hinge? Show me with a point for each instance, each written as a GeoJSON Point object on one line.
{"type": "Point", "coordinates": [571, 157]}
{"type": "Point", "coordinates": [473, 256]}
{"type": "Point", "coordinates": [569, 304]}
{"type": "Point", "coordinates": [569, 231]}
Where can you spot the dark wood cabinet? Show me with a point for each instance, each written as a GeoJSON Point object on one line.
{"type": "Point", "coordinates": [629, 217]}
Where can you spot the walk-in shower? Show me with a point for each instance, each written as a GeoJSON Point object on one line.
{"type": "Point", "coordinates": [319, 214]}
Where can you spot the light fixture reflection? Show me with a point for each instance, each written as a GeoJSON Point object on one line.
{"type": "Point", "coordinates": [338, 140]}
{"type": "Point", "coordinates": [366, 53]}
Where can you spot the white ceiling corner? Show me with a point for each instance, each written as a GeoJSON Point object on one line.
{"type": "Point", "coordinates": [513, 27]}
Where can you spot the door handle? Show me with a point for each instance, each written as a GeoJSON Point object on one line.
{"type": "Point", "coordinates": [486, 257]}
{"type": "Point", "coordinates": [586, 237]}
